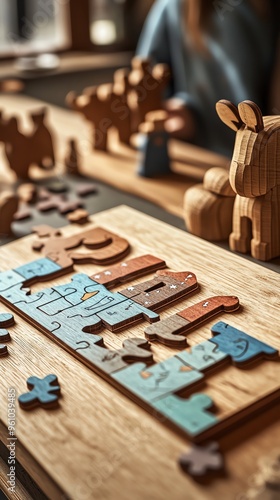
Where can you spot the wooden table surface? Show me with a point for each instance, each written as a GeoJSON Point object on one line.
{"type": "Point", "coordinates": [99, 444]}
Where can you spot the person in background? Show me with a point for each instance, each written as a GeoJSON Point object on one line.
{"type": "Point", "coordinates": [221, 49]}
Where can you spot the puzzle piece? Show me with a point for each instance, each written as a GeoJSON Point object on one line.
{"type": "Point", "coordinates": [4, 337]}
{"type": "Point", "coordinates": [60, 202]}
{"type": "Point", "coordinates": [105, 246]}
{"type": "Point", "coordinates": [169, 331]}
{"type": "Point", "coordinates": [6, 320]}
{"type": "Point", "coordinates": [153, 383]}
{"type": "Point", "coordinates": [241, 347]}
{"type": "Point", "coordinates": [190, 415]}
{"type": "Point", "coordinates": [8, 279]}
{"type": "Point", "coordinates": [43, 392]}
{"type": "Point", "coordinates": [80, 217]}
{"type": "Point", "coordinates": [200, 461]}
{"type": "Point", "coordinates": [203, 356]}
{"type": "Point", "coordinates": [41, 268]}
{"type": "Point", "coordinates": [112, 360]}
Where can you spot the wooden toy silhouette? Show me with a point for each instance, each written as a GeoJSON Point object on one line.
{"type": "Point", "coordinates": [148, 84]}
{"type": "Point", "coordinates": [8, 208]}
{"type": "Point", "coordinates": [105, 106]}
{"type": "Point", "coordinates": [255, 177]}
{"type": "Point", "coordinates": [23, 150]}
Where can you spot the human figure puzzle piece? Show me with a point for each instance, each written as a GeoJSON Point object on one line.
{"type": "Point", "coordinates": [241, 347]}
{"type": "Point", "coordinates": [170, 331]}
{"type": "Point", "coordinates": [202, 461]}
{"type": "Point", "coordinates": [190, 415]}
{"type": "Point", "coordinates": [44, 392]}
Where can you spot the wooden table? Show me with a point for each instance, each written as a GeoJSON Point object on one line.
{"type": "Point", "coordinates": [101, 445]}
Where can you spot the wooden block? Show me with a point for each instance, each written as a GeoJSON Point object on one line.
{"type": "Point", "coordinates": [202, 462]}
{"type": "Point", "coordinates": [125, 271]}
{"type": "Point", "coordinates": [160, 380]}
{"type": "Point", "coordinates": [166, 287]}
{"type": "Point", "coordinates": [105, 247]}
{"type": "Point", "coordinates": [170, 330]}
{"type": "Point", "coordinates": [255, 177]}
{"type": "Point", "coordinates": [241, 347]}
{"type": "Point", "coordinates": [44, 392]}
{"type": "Point", "coordinates": [8, 207]}
{"type": "Point", "coordinates": [191, 415]}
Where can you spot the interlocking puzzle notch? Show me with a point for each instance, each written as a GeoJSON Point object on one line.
{"type": "Point", "coordinates": [255, 178]}
{"type": "Point", "coordinates": [23, 150]}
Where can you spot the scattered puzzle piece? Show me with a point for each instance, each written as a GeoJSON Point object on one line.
{"type": "Point", "coordinates": [169, 331]}
{"type": "Point", "coordinates": [79, 216]}
{"type": "Point", "coordinates": [60, 202]}
{"type": "Point", "coordinates": [242, 348]}
{"type": "Point", "coordinates": [44, 392]}
{"type": "Point", "coordinates": [86, 189]}
{"type": "Point", "coordinates": [200, 461]}
{"type": "Point", "coordinates": [27, 193]}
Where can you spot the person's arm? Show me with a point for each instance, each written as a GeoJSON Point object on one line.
{"type": "Point", "coordinates": [153, 41]}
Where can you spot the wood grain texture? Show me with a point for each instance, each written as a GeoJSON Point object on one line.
{"type": "Point", "coordinates": [110, 437]}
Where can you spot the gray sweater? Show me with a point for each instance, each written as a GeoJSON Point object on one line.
{"type": "Point", "coordinates": [241, 49]}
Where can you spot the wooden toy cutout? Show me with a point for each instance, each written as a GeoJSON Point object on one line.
{"type": "Point", "coordinates": [79, 216]}
{"type": "Point", "coordinates": [148, 85]}
{"type": "Point", "coordinates": [154, 158]}
{"type": "Point", "coordinates": [201, 462]}
{"type": "Point", "coordinates": [44, 392]}
{"type": "Point", "coordinates": [27, 193]}
{"type": "Point", "coordinates": [23, 213]}
{"type": "Point", "coordinates": [241, 347]}
{"type": "Point", "coordinates": [60, 203]}
{"type": "Point", "coordinates": [72, 158]}
{"type": "Point", "coordinates": [8, 208]}
{"type": "Point", "coordinates": [255, 177]}
{"type": "Point", "coordinates": [105, 247]}
{"type": "Point", "coordinates": [86, 189]}
{"type": "Point", "coordinates": [23, 150]}
{"type": "Point", "coordinates": [170, 331]}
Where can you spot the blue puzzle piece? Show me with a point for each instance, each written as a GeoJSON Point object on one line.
{"type": "Point", "coordinates": [190, 415]}
{"type": "Point", "coordinates": [9, 279]}
{"type": "Point", "coordinates": [202, 356]}
{"type": "Point", "coordinates": [38, 268]}
{"type": "Point", "coordinates": [242, 348]}
{"type": "Point", "coordinates": [159, 380]}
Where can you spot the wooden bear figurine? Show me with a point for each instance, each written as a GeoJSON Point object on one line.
{"type": "Point", "coordinates": [255, 177]}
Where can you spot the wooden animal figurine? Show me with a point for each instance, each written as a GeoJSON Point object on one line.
{"type": "Point", "coordinates": [255, 177]}
{"type": "Point", "coordinates": [154, 151]}
{"type": "Point", "coordinates": [8, 207]}
{"type": "Point", "coordinates": [148, 84]}
{"type": "Point", "coordinates": [208, 207]}
{"type": "Point", "coordinates": [23, 150]}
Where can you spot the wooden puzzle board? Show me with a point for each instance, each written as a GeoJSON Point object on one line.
{"type": "Point", "coordinates": [119, 167]}
{"type": "Point", "coordinates": [99, 443]}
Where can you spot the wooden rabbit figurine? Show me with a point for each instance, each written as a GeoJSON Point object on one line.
{"type": "Point", "coordinates": [255, 176]}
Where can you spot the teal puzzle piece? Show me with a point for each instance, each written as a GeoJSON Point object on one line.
{"type": "Point", "coordinates": [203, 356]}
{"type": "Point", "coordinates": [241, 347]}
{"type": "Point", "coordinates": [38, 269]}
{"type": "Point", "coordinates": [190, 415]}
{"type": "Point", "coordinates": [157, 381]}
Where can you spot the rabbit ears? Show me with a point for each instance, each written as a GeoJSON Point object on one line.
{"type": "Point", "coordinates": [247, 113]}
